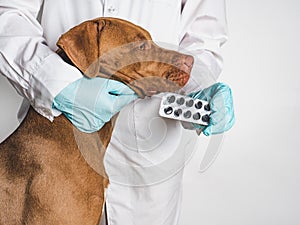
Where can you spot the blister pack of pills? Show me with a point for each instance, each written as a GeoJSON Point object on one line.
{"type": "Point", "coordinates": [184, 108]}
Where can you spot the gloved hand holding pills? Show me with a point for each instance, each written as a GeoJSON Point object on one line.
{"type": "Point", "coordinates": [184, 108]}
{"type": "Point", "coordinates": [209, 110]}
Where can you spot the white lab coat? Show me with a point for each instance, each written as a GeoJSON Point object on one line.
{"type": "Point", "coordinates": [143, 159]}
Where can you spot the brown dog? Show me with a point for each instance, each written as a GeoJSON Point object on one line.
{"type": "Point", "coordinates": [44, 178]}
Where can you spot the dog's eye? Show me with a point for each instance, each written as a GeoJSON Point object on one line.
{"type": "Point", "coordinates": [142, 47]}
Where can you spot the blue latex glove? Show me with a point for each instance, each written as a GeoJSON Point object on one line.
{"type": "Point", "coordinates": [221, 103]}
{"type": "Point", "coordinates": [90, 103]}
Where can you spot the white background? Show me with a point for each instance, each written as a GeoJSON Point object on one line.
{"type": "Point", "coordinates": [255, 179]}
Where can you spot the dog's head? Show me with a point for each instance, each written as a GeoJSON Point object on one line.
{"type": "Point", "coordinates": [117, 49]}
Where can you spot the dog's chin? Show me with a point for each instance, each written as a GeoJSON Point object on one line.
{"type": "Point", "coordinates": [148, 86]}
{"type": "Point", "coordinates": [182, 79]}
{"type": "Point", "coordinates": [179, 77]}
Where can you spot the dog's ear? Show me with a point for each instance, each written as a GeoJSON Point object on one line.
{"type": "Point", "coordinates": [81, 45]}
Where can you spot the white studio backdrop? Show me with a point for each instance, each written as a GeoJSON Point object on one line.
{"type": "Point", "coordinates": [255, 180]}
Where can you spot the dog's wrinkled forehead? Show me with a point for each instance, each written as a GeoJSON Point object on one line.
{"type": "Point", "coordinates": [117, 32]}
{"type": "Point", "coordinates": [131, 30]}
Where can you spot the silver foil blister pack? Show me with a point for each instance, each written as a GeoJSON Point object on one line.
{"type": "Point", "coordinates": [184, 108]}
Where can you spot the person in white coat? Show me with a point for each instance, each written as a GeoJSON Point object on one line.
{"type": "Point", "coordinates": [145, 176]}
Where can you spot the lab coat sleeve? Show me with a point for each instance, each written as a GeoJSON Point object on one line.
{"type": "Point", "coordinates": [35, 70]}
{"type": "Point", "coordinates": [204, 31]}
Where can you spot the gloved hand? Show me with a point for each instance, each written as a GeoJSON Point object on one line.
{"type": "Point", "coordinates": [221, 103]}
{"type": "Point", "coordinates": [91, 102]}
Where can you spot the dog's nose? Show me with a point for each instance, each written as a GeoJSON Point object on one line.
{"type": "Point", "coordinates": [187, 63]}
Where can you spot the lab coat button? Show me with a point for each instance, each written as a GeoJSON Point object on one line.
{"type": "Point", "coordinates": [112, 10]}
